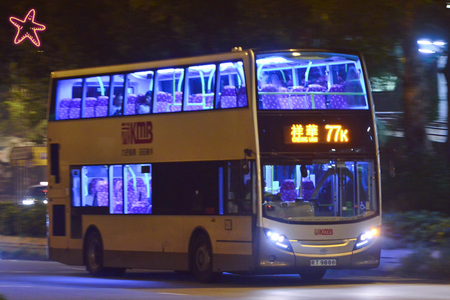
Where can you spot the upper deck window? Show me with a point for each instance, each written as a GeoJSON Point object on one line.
{"type": "Point", "coordinates": [200, 87]}
{"type": "Point", "coordinates": [169, 90]}
{"type": "Point", "coordinates": [231, 87]}
{"type": "Point", "coordinates": [138, 93]}
{"type": "Point", "coordinates": [164, 90]}
{"type": "Point", "coordinates": [310, 80]}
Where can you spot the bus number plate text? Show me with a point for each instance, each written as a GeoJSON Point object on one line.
{"type": "Point", "coordinates": [323, 262]}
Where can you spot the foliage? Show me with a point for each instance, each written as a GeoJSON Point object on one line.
{"type": "Point", "coordinates": [419, 184]}
{"type": "Point", "coordinates": [29, 221]}
{"type": "Point", "coordinates": [417, 228]}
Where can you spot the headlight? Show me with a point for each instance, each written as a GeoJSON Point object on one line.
{"type": "Point", "coordinates": [366, 238]}
{"type": "Point", "coordinates": [278, 240]}
{"type": "Point", "coordinates": [28, 201]}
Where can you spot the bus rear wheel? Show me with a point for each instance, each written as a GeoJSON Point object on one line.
{"type": "Point", "coordinates": [312, 275]}
{"type": "Point", "coordinates": [201, 261]}
{"type": "Point", "coordinates": [94, 257]}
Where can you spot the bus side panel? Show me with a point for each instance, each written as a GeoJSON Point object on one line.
{"type": "Point", "coordinates": [162, 242]}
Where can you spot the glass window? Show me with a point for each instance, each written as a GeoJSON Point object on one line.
{"type": "Point", "coordinates": [139, 93]}
{"type": "Point", "coordinates": [116, 189]}
{"type": "Point", "coordinates": [331, 190]}
{"type": "Point", "coordinates": [138, 189]}
{"type": "Point", "coordinates": [169, 90]}
{"type": "Point", "coordinates": [115, 99]}
{"type": "Point", "coordinates": [96, 90]}
{"type": "Point", "coordinates": [76, 188]}
{"type": "Point", "coordinates": [200, 87]}
{"type": "Point", "coordinates": [66, 95]}
{"type": "Point", "coordinates": [293, 80]}
{"type": "Point", "coordinates": [94, 186]}
{"type": "Point", "coordinates": [231, 88]}
{"type": "Point", "coordinates": [239, 193]}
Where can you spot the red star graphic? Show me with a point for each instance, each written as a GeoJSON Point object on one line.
{"type": "Point", "coordinates": [27, 28]}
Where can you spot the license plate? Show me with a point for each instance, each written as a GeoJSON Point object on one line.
{"type": "Point", "coordinates": [323, 262]}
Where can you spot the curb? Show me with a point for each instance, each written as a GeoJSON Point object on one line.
{"type": "Point", "coordinates": [12, 247]}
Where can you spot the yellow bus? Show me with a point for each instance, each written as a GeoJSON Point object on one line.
{"type": "Point", "coordinates": [242, 162]}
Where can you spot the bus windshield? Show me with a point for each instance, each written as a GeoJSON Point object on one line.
{"type": "Point", "coordinates": [310, 80]}
{"type": "Point", "coordinates": [319, 192]}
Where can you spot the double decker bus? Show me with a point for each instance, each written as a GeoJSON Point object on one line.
{"type": "Point", "coordinates": [242, 162]}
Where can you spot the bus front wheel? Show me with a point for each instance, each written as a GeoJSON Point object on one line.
{"type": "Point", "coordinates": [202, 261]}
{"type": "Point", "coordinates": [312, 275]}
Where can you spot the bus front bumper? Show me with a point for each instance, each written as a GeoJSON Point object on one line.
{"type": "Point", "coordinates": [273, 260]}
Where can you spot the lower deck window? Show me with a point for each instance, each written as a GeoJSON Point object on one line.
{"type": "Point", "coordinates": [178, 188]}
{"type": "Point", "coordinates": [125, 189]}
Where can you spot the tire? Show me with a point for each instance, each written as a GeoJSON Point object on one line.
{"type": "Point", "coordinates": [312, 275]}
{"type": "Point", "coordinates": [94, 254]}
{"type": "Point", "coordinates": [202, 261]}
{"type": "Point", "coordinates": [94, 257]}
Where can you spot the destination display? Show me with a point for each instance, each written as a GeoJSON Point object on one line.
{"type": "Point", "coordinates": [313, 133]}
{"type": "Point", "coordinates": [319, 133]}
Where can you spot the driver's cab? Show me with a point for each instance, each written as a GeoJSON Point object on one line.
{"type": "Point", "coordinates": [319, 191]}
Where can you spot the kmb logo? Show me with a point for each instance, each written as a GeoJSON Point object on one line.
{"type": "Point", "coordinates": [323, 231]}
{"type": "Point", "coordinates": [137, 133]}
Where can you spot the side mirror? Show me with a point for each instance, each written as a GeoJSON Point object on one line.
{"type": "Point", "coordinates": [244, 167]}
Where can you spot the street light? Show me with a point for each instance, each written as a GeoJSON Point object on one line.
{"type": "Point", "coordinates": [430, 47]}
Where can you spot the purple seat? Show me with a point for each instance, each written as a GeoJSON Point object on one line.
{"type": "Point", "coordinates": [195, 102]}
{"type": "Point", "coordinates": [163, 99]}
{"type": "Point", "coordinates": [117, 196]}
{"type": "Point", "coordinates": [101, 106]}
{"type": "Point", "coordinates": [242, 97]}
{"type": "Point", "coordinates": [228, 97]}
{"type": "Point", "coordinates": [130, 107]}
{"type": "Point", "coordinates": [270, 101]}
{"type": "Point", "coordinates": [209, 99]}
{"type": "Point", "coordinates": [316, 101]}
{"type": "Point", "coordinates": [283, 99]}
{"type": "Point", "coordinates": [337, 101]}
{"type": "Point", "coordinates": [287, 190]}
{"type": "Point", "coordinates": [102, 193]}
{"type": "Point", "coordinates": [63, 111]}
{"type": "Point", "coordinates": [307, 188]}
{"type": "Point", "coordinates": [89, 107]}
{"type": "Point", "coordinates": [298, 101]}
{"type": "Point", "coordinates": [176, 105]}
{"type": "Point", "coordinates": [75, 108]}
{"type": "Point", "coordinates": [98, 188]}
{"type": "Point", "coordinates": [137, 202]}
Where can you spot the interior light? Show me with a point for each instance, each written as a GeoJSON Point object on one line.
{"type": "Point", "coordinates": [271, 60]}
{"type": "Point", "coordinates": [296, 54]}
